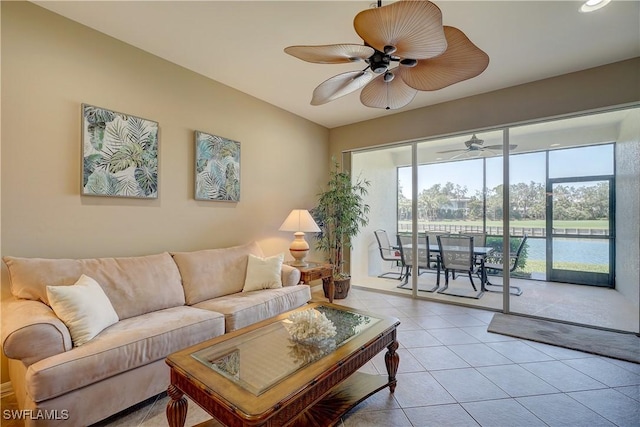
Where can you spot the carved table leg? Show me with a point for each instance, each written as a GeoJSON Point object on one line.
{"type": "Point", "coordinates": [392, 360]}
{"type": "Point", "coordinates": [177, 407]}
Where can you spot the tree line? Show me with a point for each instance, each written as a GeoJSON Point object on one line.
{"type": "Point", "coordinates": [527, 202]}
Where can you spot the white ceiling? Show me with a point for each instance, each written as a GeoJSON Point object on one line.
{"type": "Point", "coordinates": [240, 43]}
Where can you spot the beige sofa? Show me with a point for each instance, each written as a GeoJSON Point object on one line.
{"type": "Point", "coordinates": [164, 303]}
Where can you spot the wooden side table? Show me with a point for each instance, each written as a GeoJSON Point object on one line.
{"type": "Point", "coordinates": [315, 271]}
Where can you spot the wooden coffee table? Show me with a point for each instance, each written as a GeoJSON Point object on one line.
{"type": "Point", "coordinates": [258, 376]}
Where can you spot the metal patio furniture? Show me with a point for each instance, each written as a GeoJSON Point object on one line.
{"type": "Point", "coordinates": [457, 255]}
{"type": "Point", "coordinates": [389, 253]}
{"type": "Point", "coordinates": [496, 265]}
{"type": "Point", "coordinates": [426, 259]}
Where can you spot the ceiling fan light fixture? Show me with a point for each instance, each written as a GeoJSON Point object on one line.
{"type": "Point", "coordinates": [593, 5]}
{"type": "Point", "coordinates": [379, 68]}
{"type": "Point", "coordinates": [389, 50]}
{"type": "Point", "coordinates": [406, 62]}
{"type": "Point", "coordinates": [388, 76]}
{"type": "Point", "coordinates": [379, 62]}
{"type": "Point", "coordinates": [474, 141]}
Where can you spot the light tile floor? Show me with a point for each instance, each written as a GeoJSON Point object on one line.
{"type": "Point", "coordinates": [453, 372]}
{"type": "Point", "coordinates": [587, 305]}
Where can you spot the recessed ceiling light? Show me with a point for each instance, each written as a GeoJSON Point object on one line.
{"type": "Point", "coordinates": [592, 5]}
{"type": "Point", "coordinates": [554, 145]}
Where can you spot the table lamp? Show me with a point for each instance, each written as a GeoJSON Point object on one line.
{"type": "Point", "coordinates": [299, 221]}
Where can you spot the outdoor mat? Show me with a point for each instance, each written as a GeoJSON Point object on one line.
{"type": "Point", "coordinates": [617, 345]}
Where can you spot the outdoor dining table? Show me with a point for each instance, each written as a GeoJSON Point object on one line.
{"type": "Point", "coordinates": [480, 253]}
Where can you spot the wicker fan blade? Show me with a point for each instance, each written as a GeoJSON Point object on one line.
{"type": "Point", "coordinates": [461, 61]}
{"type": "Point", "coordinates": [331, 53]}
{"type": "Point", "coordinates": [499, 147]}
{"type": "Point", "coordinates": [388, 95]}
{"type": "Point", "coordinates": [340, 85]}
{"type": "Point", "coordinates": [414, 28]}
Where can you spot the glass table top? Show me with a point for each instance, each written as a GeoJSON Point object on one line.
{"type": "Point", "coordinates": [260, 359]}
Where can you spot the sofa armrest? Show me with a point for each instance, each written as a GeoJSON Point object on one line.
{"type": "Point", "coordinates": [31, 331]}
{"type": "Point", "coordinates": [290, 275]}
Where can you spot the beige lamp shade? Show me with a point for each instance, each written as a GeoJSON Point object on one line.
{"type": "Point", "coordinates": [299, 221]}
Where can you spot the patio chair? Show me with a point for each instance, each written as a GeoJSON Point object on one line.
{"type": "Point", "coordinates": [496, 265]}
{"type": "Point", "coordinates": [425, 260]}
{"type": "Point", "coordinates": [456, 255]}
{"type": "Point", "coordinates": [479, 239]}
{"type": "Point", "coordinates": [389, 253]}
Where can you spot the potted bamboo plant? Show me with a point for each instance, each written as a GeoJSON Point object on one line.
{"type": "Point", "coordinates": [340, 213]}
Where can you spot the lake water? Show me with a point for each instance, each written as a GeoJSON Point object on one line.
{"type": "Point", "coordinates": [587, 251]}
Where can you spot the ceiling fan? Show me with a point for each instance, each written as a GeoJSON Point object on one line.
{"type": "Point", "coordinates": [475, 145]}
{"type": "Point", "coordinates": [406, 49]}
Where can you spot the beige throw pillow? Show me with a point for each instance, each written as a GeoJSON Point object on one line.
{"type": "Point", "coordinates": [263, 273]}
{"type": "Point", "coordinates": [83, 307]}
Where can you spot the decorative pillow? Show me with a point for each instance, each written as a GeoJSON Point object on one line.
{"type": "Point", "coordinates": [263, 273]}
{"type": "Point", "coordinates": [83, 307]}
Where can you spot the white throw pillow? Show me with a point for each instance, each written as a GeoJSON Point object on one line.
{"type": "Point", "coordinates": [263, 273]}
{"type": "Point", "coordinates": [83, 307]}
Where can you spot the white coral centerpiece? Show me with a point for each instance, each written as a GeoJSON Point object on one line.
{"type": "Point", "coordinates": [309, 326]}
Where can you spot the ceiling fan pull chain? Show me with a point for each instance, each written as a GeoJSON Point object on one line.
{"type": "Point", "coordinates": [388, 108]}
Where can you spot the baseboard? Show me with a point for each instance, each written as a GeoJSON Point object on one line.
{"type": "Point", "coordinates": [6, 389]}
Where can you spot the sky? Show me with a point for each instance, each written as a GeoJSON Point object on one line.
{"type": "Point", "coordinates": [582, 161]}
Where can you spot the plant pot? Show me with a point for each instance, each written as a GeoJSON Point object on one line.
{"type": "Point", "coordinates": [341, 288]}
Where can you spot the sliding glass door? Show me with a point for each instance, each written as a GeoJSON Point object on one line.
{"type": "Point", "coordinates": [576, 270]}
{"type": "Point", "coordinates": [572, 188]}
{"type": "Point", "coordinates": [581, 244]}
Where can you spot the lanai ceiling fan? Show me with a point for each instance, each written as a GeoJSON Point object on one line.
{"type": "Point", "coordinates": [406, 49]}
{"type": "Point", "coordinates": [475, 145]}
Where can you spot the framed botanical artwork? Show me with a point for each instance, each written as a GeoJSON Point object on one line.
{"type": "Point", "coordinates": [119, 154]}
{"type": "Point", "coordinates": [217, 171]}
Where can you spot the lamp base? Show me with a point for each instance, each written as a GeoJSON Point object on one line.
{"type": "Point", "coordinates": [299, 249]}
{"type": "Point", "coordinates": [299, 263]}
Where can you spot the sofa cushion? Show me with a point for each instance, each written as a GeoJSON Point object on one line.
{"type": "Point", "coordinates": [263, 273]}
{"type": "Point", "coordinates": [245, 308]}
{"type": "Point", "coordinates": [134, 285]}
{"type": "Point", "coordinates": [211, 273]}
{"type": "Point", "coordinates": [128, 344]}
{"type": "Point", "coordinates": [84, 308]}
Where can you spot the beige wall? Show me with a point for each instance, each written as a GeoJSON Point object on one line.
{"type": "Point", "coordinates": [613, 84]}
{"type": "Point", "coordinates": [51, 65]}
